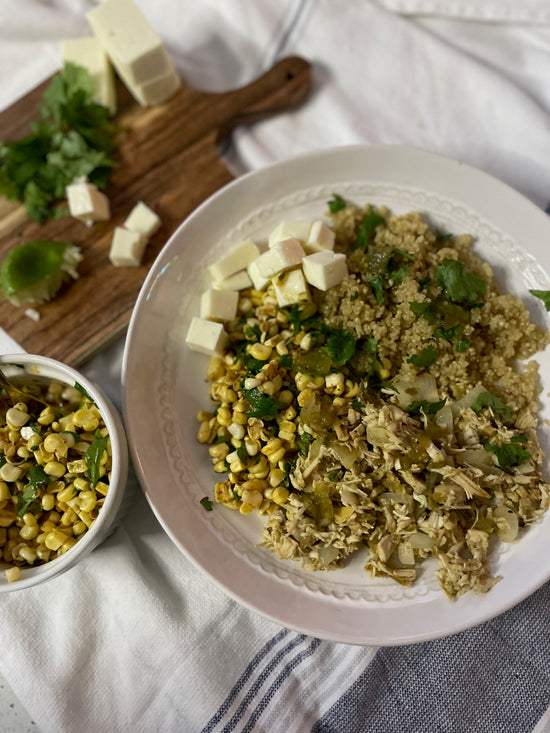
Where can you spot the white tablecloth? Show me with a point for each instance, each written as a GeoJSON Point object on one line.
{"type": "Point", "coordinates": [137, 639]}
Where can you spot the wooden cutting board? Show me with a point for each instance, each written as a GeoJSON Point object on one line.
{"type": "Point", "coordinates": [168, 158]}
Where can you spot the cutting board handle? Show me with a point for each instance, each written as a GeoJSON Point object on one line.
{"type": "Point", "coordinates": [284, 86]}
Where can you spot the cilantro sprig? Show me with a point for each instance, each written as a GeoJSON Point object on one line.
{"type": "Point", "coordinates": [457, 283]}
{"type": "Point", "coordinates": [262, 405]}
{"type": "Point", "coordinates": [500, 409]}
{"type": "Point", "coordinates": [72, 138]}
{"type": "Point", "coordinates": [543, 295]}
{"type": "Point", "coordinates": [509, 454]}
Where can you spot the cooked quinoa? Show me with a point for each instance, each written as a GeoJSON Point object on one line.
{"type": "Point", "coordinates": [387, 415]}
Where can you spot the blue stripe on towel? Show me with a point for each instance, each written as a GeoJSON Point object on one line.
{"type": "Point", "coordinates": [260, 679]}
{"type": "Point", "coordinates": [278, 682]}
{"type": "Point", "coordinates": [250, 669]}
{"type": "Point", "coordinates": [494, 678]}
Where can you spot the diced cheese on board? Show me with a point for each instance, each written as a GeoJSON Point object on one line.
{"type": "Point", "coordinates": [207, 337]}
{"type": "Point", "coordinates": [258, 281]}
{"type": "Point", "coordinates": [86, 203]}
{"type": "Point", "coordinates": [239, 281]}
{"type": "Point", "coordinates": [289, 230]}
{"type": "Point", "coordinates": [238, 258]}
{"type": "Point", "coordinates": [320, 238]}
{"type": "Point", "coordinates": [143, 220]}
{"type": "Point", "coordinates": [89, 53]}
{"type": "Point", "coordinates": [135, 49]}
{"type": "Point", "coordinates": [325, 269]}
{"type": "Point", "coordinates": [127, 248]}
{"type": "Point", "coordinates": [219, 305]}
{"type": "Point", "coordinates": [290, 287]}
{"type": "Point", "coordinates": [282, 256]}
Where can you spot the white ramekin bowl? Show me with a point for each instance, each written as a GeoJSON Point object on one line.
{"type": "Point", "coordinates": [107, 517]}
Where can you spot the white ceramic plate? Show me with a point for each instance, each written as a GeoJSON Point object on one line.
{"type": "Point", "coordinates": [164, 388]}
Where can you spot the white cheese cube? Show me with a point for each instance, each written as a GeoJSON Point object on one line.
{"type": "Point", "coordinates": [325, 269]}
{"type": "Point", "coordinates": [289, 230]}
{"type": "Point", "coordinates": [290, 287]}
{"type": "Point", "coordinates": [134, 48]}
{"type": "Point", "coordinates": [142, 220]}
{"type": "Point", "coordinates": [238, 258]}
{"type": "Point", "coordinates": [282, 256]}
{"type": "Point", "coordinates": [86, 203]}
{"type": "Point", "coordinates": [239, 281]}
{"type": "Point", "coordinates": [258, 281]}
{"type": "Point", "coordinates": [126, 248]}
{"type": "Point", "coordinates": [207, 337]}
{"type": "Point", "coordinates": [219, 305]}
{"type": "Point", "coordinates": [320, 238]}
{"type": "Point", "coordinates": [159, 89]}
{"type": "Point", "coordinates": [89, 53]}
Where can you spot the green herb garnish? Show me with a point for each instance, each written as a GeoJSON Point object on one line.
{"type": "Point", "coordinates": [27, 501]}
{"type": "Point", "coordinates": [340, 345]}
{"type": "Point", "coordinates": [425, 406]}
{"type": "Point", "coordinates": [262, 405]}
{"type": "Point", "coordinates": [72, 138]}
{"type": "Point", "coordinates": [303, 442]}
{"type": "Point", "coordinates": [206, 503]}
{"type": "Point", "coordinates": [426, 357]}
{"type": "Point", "coordinates": [367, 229]}
{"type": "Point", "coordinates": [253, 332]}
{"type": "Point", "coordinates": [499, 408]}
{"type": "Point", "coordinates": [543, 295]}
{"type": "Point", "coordinates": [336, 203]}
{"type": "Point", "coordinates": [509, 454]}
{"type": "Point", "coordinates": [457, 283]}
{"type": "Point", "coordinates": [92, 457]}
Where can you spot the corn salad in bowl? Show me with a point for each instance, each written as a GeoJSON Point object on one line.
{"type": "Point", "coordinates": [63, 467]}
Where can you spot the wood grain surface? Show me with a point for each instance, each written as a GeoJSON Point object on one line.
{"type": "Point", "coordinates": [168, 158]}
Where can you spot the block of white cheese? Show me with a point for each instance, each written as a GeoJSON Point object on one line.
{"type": "Point", "coordinates": [207, 337]}
{"type": "Point", "coordinates": [238, 258]}
{"type": "Point", "coordinates": [219, 305]}
{"type": "Point", "coordinates": [289, 230]}
{"type": "Point", "coordinates": [282, 256]}
{"type": "Point", "coordinates": [325, 269]}
{"type": "Point", "coordinates": [135, 50]}
{"type": "Point", "coordinates": [86, 203]}
{"type": "Point", "coordinates": [320, 238]}
{"type": "Point", "coordinates": [239, 281]}
{"type": "Point", "coordinates": [290, 287]}
{"type": "Point", "coordinates": [143, 220]}
{"type": "Point", "coordinates": [89, 53]}
{"type": "Point", "coordinates": [158, 89]}
{"type": "Point", "coordinates": [127, 248]}
{"type": "Point", "coordinates": [258, 281]}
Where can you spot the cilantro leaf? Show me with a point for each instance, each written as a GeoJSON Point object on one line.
{"type": "Point", "coordinates": [336, 203]}
{"type": "Point", "coordinates": [207, 503]}
{"type": "Point", "coordinates": [303, 442]}
{"type": "Point", "coordinates": [543, 295]}
{"type": "Point", "coordinates": [425, 406]}
{"type": "Point", "coordinates": [509, 454]}
{"type": "Point", "coordinates": [377, 285]}
{"type": "Point", "coordinates": [367, 228]}
{"type": "Point", "coordinates": [499, 408]}
{"type": "Point", "coordinates": [27, 501]}
{"type": "Point", "coordinates": [72, 138]}
{"type": "Point", "coordinates": [340, 345]}
{"type": "Point", "coordinates": [92, 457]}
{"type": "Point", "coordinates": [262, 405]}
{"type": "Point", "coordinates": [457, 283]}
{"type": "Point", "coordinates": [423, 359]}
{"type": "Point", "coordinates": [423, 310]}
